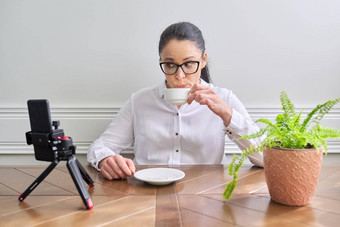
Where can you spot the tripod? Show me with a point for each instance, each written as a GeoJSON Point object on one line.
{"type": "Point", "coordinates": [64, 150]}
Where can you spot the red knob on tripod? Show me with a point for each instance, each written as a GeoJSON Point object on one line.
{"type": "Point", "coordinates": [64, 138]}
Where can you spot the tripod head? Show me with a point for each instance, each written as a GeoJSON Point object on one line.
{"type": "Point", "coordinates": [51, 146]}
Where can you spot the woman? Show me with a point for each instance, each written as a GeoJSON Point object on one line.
{"type": "Point", "coordinates": [193, 133]}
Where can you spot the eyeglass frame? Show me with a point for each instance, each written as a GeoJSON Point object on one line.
{"type": "Point", "coordinates": [198, 65]}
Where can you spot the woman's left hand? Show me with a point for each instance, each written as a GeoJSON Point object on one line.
{"type": "Point", "coordinates": [204, 95]}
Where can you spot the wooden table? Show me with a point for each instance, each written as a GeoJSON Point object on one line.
{"type": "Point", "coordinates": [195, 200]}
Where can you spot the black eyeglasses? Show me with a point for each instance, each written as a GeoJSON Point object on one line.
{"type": "Point", "coordinates": [189, 67]}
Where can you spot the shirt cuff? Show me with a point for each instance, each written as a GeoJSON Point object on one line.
{"type": "Point", "coordinates": [100, 155]}
{"type": "Point", "coordinates": [256, 159]}
{"type": "Point", "coordinates": [234, 125]}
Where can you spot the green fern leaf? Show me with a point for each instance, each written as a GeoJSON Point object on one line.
{"type": "Point", "coordinates": [287, 105]}
{"type": "Point", "coordinates": [317, 114]}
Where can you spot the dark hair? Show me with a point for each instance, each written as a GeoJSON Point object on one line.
{"type": "Point", "coordinates": [185, 31]}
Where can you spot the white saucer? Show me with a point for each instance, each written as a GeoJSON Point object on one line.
{"type": "Point", "coordinates": [159, 176]}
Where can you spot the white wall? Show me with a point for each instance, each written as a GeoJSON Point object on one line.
{"type": "Point", "coordinates": [87, 57]}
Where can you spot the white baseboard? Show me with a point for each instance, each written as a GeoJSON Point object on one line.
{"type": "Point", "coordinates": [86, 124]}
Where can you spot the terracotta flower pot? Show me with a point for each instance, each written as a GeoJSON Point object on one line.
{"type": "Point", "coordinates": [292, 174]}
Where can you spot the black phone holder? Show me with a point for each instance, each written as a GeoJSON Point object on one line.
{"type": "Point", "coordinates": [55, 147]}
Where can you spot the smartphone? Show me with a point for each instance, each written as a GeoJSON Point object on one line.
{"type": "Point", "coordinates": [41, 128]}
{"type": "Point", "coordinates": [40, 117]}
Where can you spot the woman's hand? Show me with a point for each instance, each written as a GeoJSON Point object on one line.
{"type": "Point", "coordinates": [204, 95]}
{"type": "Point", "coordinates": [116, 167]}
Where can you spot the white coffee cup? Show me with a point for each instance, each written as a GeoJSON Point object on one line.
{"type": "Point", "coordinates": [176, 96]}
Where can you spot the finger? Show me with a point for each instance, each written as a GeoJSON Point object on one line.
{"type": "Point", "coordinates": [191, 98]}
{"type": "Point", "coordinates": [211, 101]}
{"type": "Point", "coordinates": [109, 170]}
{"type": "Point", "coordinates": [194, 91]}
{"type": "Point", "coordinates": [197, 87]}
{"type": "Point", "coordinates": [115, 168]}
{"type": "Point", "coordinates": [106, 174]}
{"type": "Point", "coordinates": [198, 98]}
{"type": "Point", "coordinates": [202, 95]}
{"type": "Point", "coordinates": [131, 165]}
{"type": "Point", "coordinates": [216, 105]}
{"type": "Point", "coordinates": [207, 102]}
{"type": "Point", "coordinates": [194, 88]}
{"type": "Point", "coordinates": [119, 171]}
{"type": "Point", "coordinates": [121, 162]}
{"type": "Point", "coordinates": [193, 95]}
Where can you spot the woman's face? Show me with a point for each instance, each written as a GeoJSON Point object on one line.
{"type": "Point", "coordinates": [179, 52]}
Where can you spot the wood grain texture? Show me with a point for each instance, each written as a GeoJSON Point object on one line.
{"type": "Point", "coordinates": [167, 207]}
{"type": "Point", "coordinates": [195, 200]}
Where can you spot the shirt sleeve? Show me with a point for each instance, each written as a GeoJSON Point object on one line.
{"type": "Point", "coordinates": [241, 124]}
{"type": "Point", "coordinates": [117, 137]}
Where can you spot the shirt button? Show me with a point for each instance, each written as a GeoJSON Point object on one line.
{"type": "Point", "coordinates": [177, 114]}
{"type": "Point", "coordinates": [176, 134]}
{"type": "Point", "coordinates": [176, 150]}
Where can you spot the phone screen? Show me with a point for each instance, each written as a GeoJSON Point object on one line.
{"type": "Point", "coordinates": [40, 117]}
{"type": "Point", "coordinates": [41, 127]}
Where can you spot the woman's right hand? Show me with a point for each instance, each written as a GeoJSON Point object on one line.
{"type": "Point", "coordinates": [116, 167]}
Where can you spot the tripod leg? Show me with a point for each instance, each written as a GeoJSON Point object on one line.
{"type": "Point", "coordinates": [38, 180]}
{"type": "Point", "coordinates": [77, 179]}
{"type": "Point", "coordinates": [84, 174]}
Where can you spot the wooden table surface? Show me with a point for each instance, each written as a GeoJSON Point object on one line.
{"type": "Point", "coordinates": [196, 200]}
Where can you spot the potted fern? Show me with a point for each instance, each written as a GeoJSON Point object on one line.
{"type": "Point", "coordinates": [292, 152]}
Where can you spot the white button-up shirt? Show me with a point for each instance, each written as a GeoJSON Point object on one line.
{"type": "Point", "coordinates": [162, 134]}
